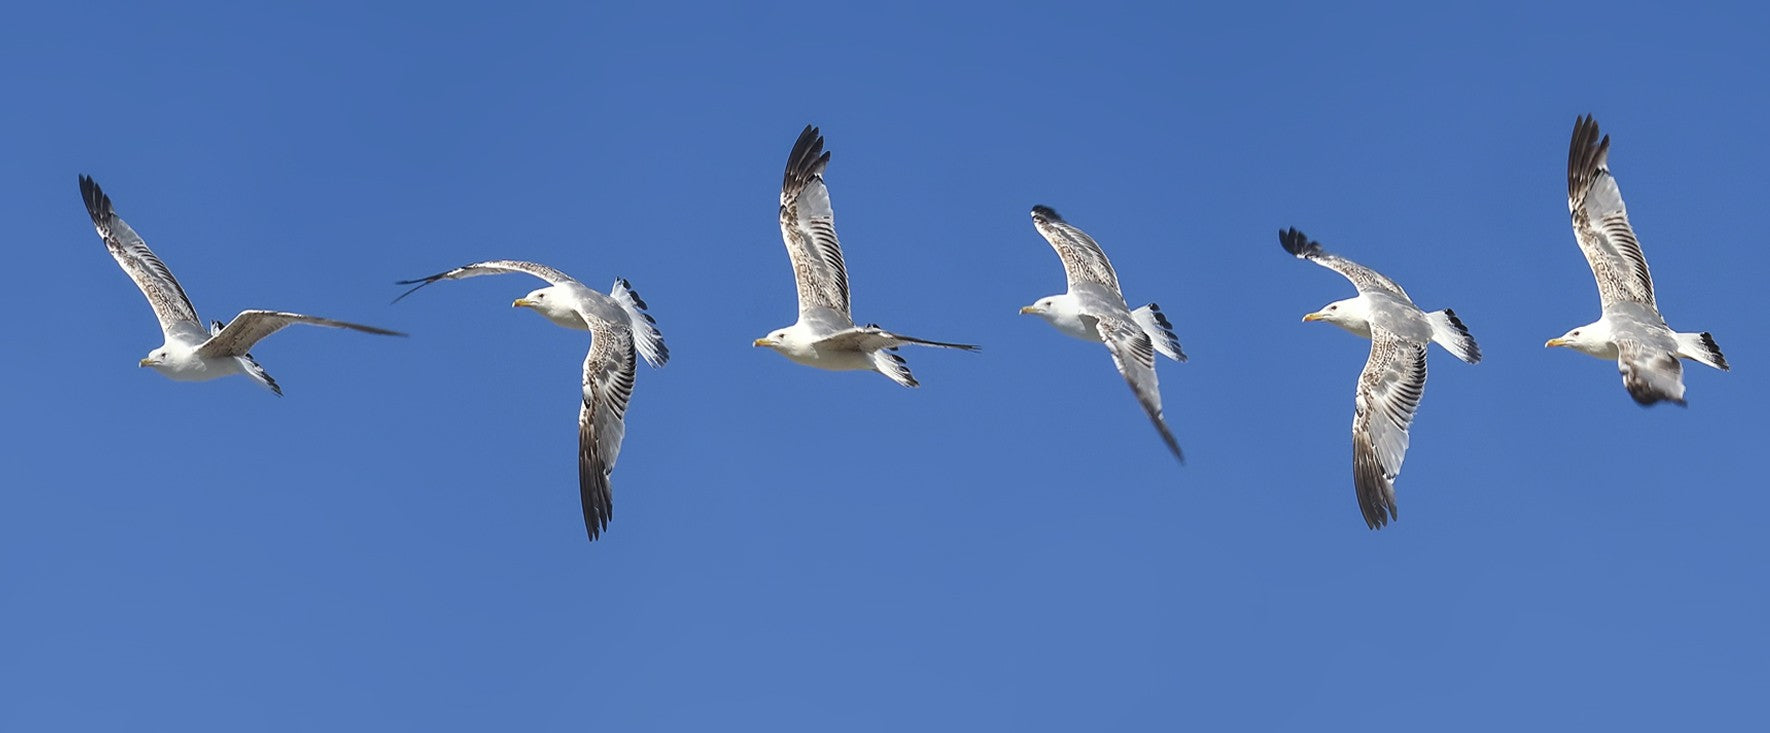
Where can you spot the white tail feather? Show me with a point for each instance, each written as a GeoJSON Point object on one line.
{"type": "Point", "coordinates": [1701, 348]}
{"type": "Point", "coordinates": [1448, 331]}
{"type": "Point", "coordinates": [645, 330]}
{"type": "Point", "coordinates": [1161, 332]}
{"type": "Point", "coordinates": [893, 367]}
{"type": "Point", "coordinates": [249, 364]}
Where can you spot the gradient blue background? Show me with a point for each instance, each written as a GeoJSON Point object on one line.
{"type": "Point", "coordinates": [397, 544]}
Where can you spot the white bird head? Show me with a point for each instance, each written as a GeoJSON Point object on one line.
{"type": "Point", "coordinates": [156, 358]}
{"type": "Point", "coordinates": [792, 342]}
{"type": "Point", "coordinates": [1352, 314]}
{"type": "Point", "coordinates": [552, 302]}
{"type": "Point", "coordinates": [779, 340]}
{"type": "Point", "coordinates": [1043, 307]}
{"type": "Point", "coordinates": [1592, 338]}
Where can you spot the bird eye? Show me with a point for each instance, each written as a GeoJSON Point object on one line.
{"type": "Point", "coordinates": [1333, 307]}
{"type": "Point", "coordinates": [1575, 333]}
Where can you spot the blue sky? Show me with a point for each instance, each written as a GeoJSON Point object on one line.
{"type": "Point", "coordinates": [397, 544]}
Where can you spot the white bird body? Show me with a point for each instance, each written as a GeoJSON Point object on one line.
{"type": "Point", "coordinates": [619, 328]}
{"type": "Point", "coordinates": [1394, 376]}
{"type": "Point", "coordinates": [177, 360]}
{"type": "Point", "coordinates": [1094, 310]}
{"type": "Point", "coordinates": [825, 336]}
{"type": "Point", "coordinates": [187, 352]}
{"type": "Point", "coordinates": [1631, 331]}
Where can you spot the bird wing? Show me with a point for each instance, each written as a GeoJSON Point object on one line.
{"type": "Point", "coordinates": [250, 327]}
{"type": "Point", "coordinates": [808, 226]}
{"type": "Point", "coordinates": [608, 385]}
{"type": "Point", "coordinates": [1134, 354]}
{"type": "Point", "coordinates": [1601, 222]}
{"type": "Point", "coordinates": [872, 338]}
{"type": "Point", "coordinates": [489, 267]}
{"type": "Point", "coordinates": [1364, 278]}
{"type": "Point", "coordinates": [171, 306]}
{"type": "Point", "coordinates": [1083, 260]}
{"type": "Point", "coordinates": [1649, 374]}
{"type": "Point", "coordinates": [1389, 391]}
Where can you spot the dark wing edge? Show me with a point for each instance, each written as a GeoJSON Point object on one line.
{"type": "Point", "coordinates": [169, 301]}
{"type": "Point", "coordinates": [488, 267]}
{"type": "Point", "coordinates": [811, 236]}
{"type": "Point", "coordinates": [609, 370]}
{"type": "Point", "coordinates": [252, 326]}
{"type": "Point", "coordinates": [1083, 259]}
{"type": "Point", "coordinates": [1134, 354]}
{"type": "Point", "coordinates": [1383, 406]}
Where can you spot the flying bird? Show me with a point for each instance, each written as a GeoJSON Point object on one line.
{"type": "Point", "coordinates": [1630, 330]}
{"type": "Point", "coordinates": [619, 327]}
{"type": "Point", "coordinates": [825, 335]}
{"type": "Point", "coordinates": [189, 352]}
{"type": "Point", "coordinates": [1394, 378]}
{"type": "Point", "coordinates": [1094, 310]}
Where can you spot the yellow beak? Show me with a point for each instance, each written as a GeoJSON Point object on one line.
{"type": "Point", "coordinates": [1556, 342]}
{"type": "Point", "coordinates": [522, 303]}
{"type": "Point", "coordinates": [1028, 309]}
{"type": "Point", "coordinates": [763, 342]}
{"type": "Point", "coordinates": [147, 362]}
{"type": "Point", "coordinates": [1314, 317]}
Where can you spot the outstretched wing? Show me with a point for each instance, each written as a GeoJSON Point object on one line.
{"type": "Point", "coordinates": [1364, 278]}
{"type": "Point", "coordinates": [1134, 354]}
{"type": "Point", "coordinates": [163, 292]}
{"type": "Point", "coordinates": [608, 385]}
{"type": "Point", "coordinates": [250, 327]}
{"type": "Point", "coordinates": [1601, 222]}
{"type": "Point", "coordinates": [489, 267]}
{"type": "Point", "coordinates": [1389, 391]}
{"type": "Point", "coordinates": [1083, 261]}
{"type": "Point", "coordinates": [808, 226]}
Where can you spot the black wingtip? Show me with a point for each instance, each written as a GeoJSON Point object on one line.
{"type": "Point", "coordinates": [808, 158]}
{"type": "Point", "coordinates": [1297, 243]}
{"type": "Point", "coordinates": [1586, 153]}
{"type": "Point", "coordinates": [416, 286]}
{"type": "Point", "coordinates": [1041, 211]}
{"type": "Point", "coordinates": [1168, 438]}
{"type": "Point", "coordinates": [98, 205]}
{"type": "Point", "coordinates": [1708, 342]}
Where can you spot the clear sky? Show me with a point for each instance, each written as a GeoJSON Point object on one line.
{"type": "Point", "coordinates": [397, 543]}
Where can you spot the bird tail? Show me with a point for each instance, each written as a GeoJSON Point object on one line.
{"type": "Point", "coordinates": [891, 365]}
{"type": "Point", "coordinates": [1701, 348]}
{"type": "Point", "coordinates": [249, 364]}
{"type": "Point", "coordinates": [1161, 332]}
{"type": "Point", "coordinates": [1448, 331]}
{"type": "Point", "coordinates": [645, 328]}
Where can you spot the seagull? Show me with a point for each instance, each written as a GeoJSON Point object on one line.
{"type": "Point", "coordinates": [1094, 310]}
{"type": "Point", "coordinates": [825, 335]}
{"type": "Point", "coordinates": [1394, 377]}
{"type": "Point", "coordinates": [1631, 330]}
{"type": "Point", "coordinates": [191, 353]}
{"type": "Point", "coordinates": [618, 326]}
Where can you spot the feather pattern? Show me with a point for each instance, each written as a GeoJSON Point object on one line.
{"type": "Point", "coordinates": [1601, 221]}
{"type": "Point", "coordinates": [171, 306]}
{"type": "Point", "coordinates": [608, 385]}
{"type": "Point", "coordinates": [1389, 392]}
{"type": "Point", "coordinates": [808, 226]}
{"type": "Point", "coordinates": [1134, 354]}
{"type": "Point", "coordinates": [1364, 278]}
{"type": "Point", "coordinates": [1083, 260]}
